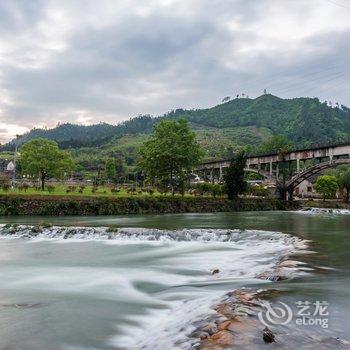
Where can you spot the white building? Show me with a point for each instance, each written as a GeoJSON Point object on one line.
{"type": "Point", "coordinates": [10, 166]}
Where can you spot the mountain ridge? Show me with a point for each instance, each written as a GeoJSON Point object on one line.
{"type": "Point", "coordinates": [238, 122]}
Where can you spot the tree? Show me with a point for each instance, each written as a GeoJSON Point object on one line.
{"type": "Point", "coordinates": [41, 157]}
{"type": "Point", "coordinates": [226, 99]}
{"type": "Point", "coordinates": [170, 153]}
{"type": "Point", "coordinates": [344, 181]}
{"type": "Point", "coordinates": [234, 178]}
{"type": "Point", "coordinates": [327, 186]}
{"type": "Point", "coordinates": [276, 144]}
{"type": "Point", "coordinates": [111, 169]}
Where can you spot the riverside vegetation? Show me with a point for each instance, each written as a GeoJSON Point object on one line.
{"type": "Point", "coordinates": [167, 159]}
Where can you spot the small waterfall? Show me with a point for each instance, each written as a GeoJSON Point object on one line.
{"type": "Point", "coordinates": [326, 211]}
{"type": "Point", "coordinates": [140, 234]}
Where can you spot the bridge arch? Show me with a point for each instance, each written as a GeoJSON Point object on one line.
{"type": "Point", "coordinates": [266, 175]}
{"type": "Point", "coordinates": [306, 174]}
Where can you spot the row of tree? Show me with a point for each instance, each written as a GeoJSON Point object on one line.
{"type": "Point", "coordinates": [166, 159]}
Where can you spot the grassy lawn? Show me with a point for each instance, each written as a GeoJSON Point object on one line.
{"type": "Point", "coordinates": [61, 190]}
{"type": "Point", "coordinates": [103, 191]}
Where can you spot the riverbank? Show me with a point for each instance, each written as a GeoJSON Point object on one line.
{"type": "Point", "coordinates": [80, 205]}
{"type": "Point", "coordinates": [333, 204]}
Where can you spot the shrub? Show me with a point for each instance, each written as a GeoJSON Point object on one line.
{"type": "Point", "coordinates": [115, 190]}
{"type": "Point", "coordinates": [258, 190]}
{"type": "Point", "coordinates": [23, 187]}
{"type": "Point", "coordinates": [71, 189]}
{"type": "Point", "coordinates": [150, 191]}
{"type": "Point", "coordinates": [216, 190]}
{"type": "Point", "coordinates": [5, 182]}
{"type": "Point", "coordinates": [81, 188]}
{"type": "Point", "coordinates": [50, 188]}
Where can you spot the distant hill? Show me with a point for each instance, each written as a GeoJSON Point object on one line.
{"type": "Point", "coordinates": [75, 136]}
{"type": "Point", "coordinates": [239, 122]}
{"type": "Point", "coordinates": [305, 121]}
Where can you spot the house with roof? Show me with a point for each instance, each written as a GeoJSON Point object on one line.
{"type": "Point", "coordinates": [7, 166]}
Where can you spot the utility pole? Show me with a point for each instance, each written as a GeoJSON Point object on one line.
{"type": "Point", "coordinates": [15, 161]}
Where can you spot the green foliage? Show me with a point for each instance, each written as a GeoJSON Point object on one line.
{"type": "Point", "coordinates": [251, 175]}
{"type": "Point", "coordinates": [33, 205]}
{"type": "Point", "coordinates": [327, 186]}
{"type": "Point", "coordinates": [344, 181]}
{"type": "Point", "coordinates": [258, 190]}
{"type": "Point", "coordinates": [206, 188]}
{"type": "Point", "coordinates": [276, 144]}
{"type": "Point", "coordinates": [216, 190]}
{"type": "Point", "coordinates": [234, 177]}
{"type": "Point", "coordinates": [170, 153]}
{"type": "Point", "coordinates": [111, 169]}
{"type": "Point", "coordinates": [43, 158]}
{"type": "Point", "coordinates": [5, 182]}
{"type": "Point", "coordinates": [50, 188]}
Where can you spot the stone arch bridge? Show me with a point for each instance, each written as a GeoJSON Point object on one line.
{"type": "Point", "coordinates": [285, 171]}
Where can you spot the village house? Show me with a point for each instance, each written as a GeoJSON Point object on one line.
{"type": "Point", "coordinates": [7, 166]}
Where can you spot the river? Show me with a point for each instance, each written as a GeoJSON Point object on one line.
{"type": "Point", "coordinates": [74, 288]}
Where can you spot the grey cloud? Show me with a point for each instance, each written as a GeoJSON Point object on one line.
{"type": "Point", "coordinates": [163, 60]}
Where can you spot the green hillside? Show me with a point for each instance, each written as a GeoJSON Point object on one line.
{"type": "Point", "coordinates": [220, 129]}
{"type": "Point", "coordinates": [305, 121]}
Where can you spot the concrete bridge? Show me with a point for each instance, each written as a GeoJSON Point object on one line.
{"type": "Point", "coordinates": [287, 170]}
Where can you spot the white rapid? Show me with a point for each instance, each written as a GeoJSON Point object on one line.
{"type": "Point", "coordinates": [134, 288]}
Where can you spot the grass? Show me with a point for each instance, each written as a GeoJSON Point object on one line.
{"type": "Point", "coordinates": [103, 191]}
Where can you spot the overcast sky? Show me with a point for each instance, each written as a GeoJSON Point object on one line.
{"type": "Point", "coordinates": [109, 60]}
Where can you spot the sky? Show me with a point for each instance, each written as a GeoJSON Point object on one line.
{"type": "Point", "coordinates": [87, 61]}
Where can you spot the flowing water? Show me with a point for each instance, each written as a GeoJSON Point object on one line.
{"type": "Point", "coordinates": [78, 286]}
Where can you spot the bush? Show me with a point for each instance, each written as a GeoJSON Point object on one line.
{"type": "Point", "coordinates": [115, 190]}
{"type": "Point", "coordinates": [81, 188]}
{"type": "Point", "coordinates": [50, 188]}
{"type": "Point", "coordinates": [71, 189]}
{"type": "Point", "coordinates": [150, 191]}
{"type": "Point", "coordinates": [258, 190]}
{"type": "Point", "coordinates": [5, 182]}
{"type": "Point", "coordinates": [208, 188]}
{"type": "Point", "coordinates": [23, 187]}
{"type": "Point", "coordinates": [216, 190]}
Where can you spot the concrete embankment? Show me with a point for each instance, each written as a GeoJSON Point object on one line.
{"type": "Point", "coordinates": [69, 205]}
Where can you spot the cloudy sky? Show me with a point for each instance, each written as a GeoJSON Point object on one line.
{"type": "Point", "coordinates": [108, 60]}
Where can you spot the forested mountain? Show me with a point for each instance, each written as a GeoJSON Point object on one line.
{"type": "Point", "coordinates": [76, 136]}
{"type": "Point", "coordinates": [305, 121]}
{"type": "Point", "coordinates": [239, 122]}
